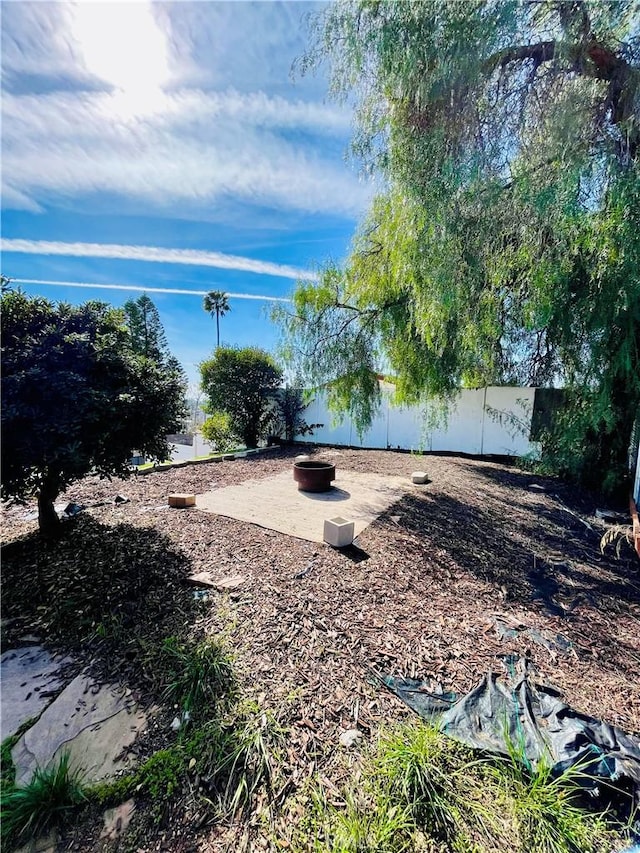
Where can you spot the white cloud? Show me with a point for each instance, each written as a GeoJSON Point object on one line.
{"type": "Point", "coordinates": [172, 290]}
{"type": "Point", "coordinates": [16, 200]}
{"type": "Point", "coordinates": [247, 45]}
{"type": "Point", "coordinates": [155, 254]}
{"type": "Point", "coordinates": [171, 150]}
{"type": "Point", "coordinates": [188, 147]}
{"type": "Point", "coordinates": [37, 39]}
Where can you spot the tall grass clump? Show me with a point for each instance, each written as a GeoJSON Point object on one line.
{"type": "Point", "coordinates": [418, 790]}
{"type": "Point", "coordinates": [197, 674]}
{"type": "Point", "coordinates": [46, 801]}
{"type": "Point", "coordinates": [237, 758]}
{"type": "Point", "coordinates": [547, 812]}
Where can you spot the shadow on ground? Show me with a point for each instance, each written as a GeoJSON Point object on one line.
{"type": "Point", "coordinates": [521, 555]}
{"type": "Point", "coordinates": [113, 593]}
{"type": "Point", "coordinates": [546, 562]}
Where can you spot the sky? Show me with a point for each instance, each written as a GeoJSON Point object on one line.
{"type": "Point", "coordinates": [165, 148]}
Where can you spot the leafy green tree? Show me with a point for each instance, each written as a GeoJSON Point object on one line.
{"type": "Point", "coordinates": [148, 337]}
{"type": "Point", "coordinates": [505, 246]}
{"type": "Point", "coordinates": [145, 327]}
{"type": "Point", "coordinates": [290, 407]}
{"type": "Point", "coordinates": [77, 398]}
{"type": "Point", "coordinates": [241, 382]}
{"type": "Point", "coordinates": [217, 305]}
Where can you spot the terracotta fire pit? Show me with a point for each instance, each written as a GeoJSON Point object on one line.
{"type": "Point", "coordinates": [314, 476]}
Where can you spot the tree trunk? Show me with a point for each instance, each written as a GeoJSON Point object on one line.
{"type": "Point", "coordinates": [218, 328]}
{"type": "Point", "coordinates": [250, 437]}
{"type": "Point", "coordinates": [48, 520]}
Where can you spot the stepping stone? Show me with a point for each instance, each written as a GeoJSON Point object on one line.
{"type": "Point", "coordinates": [116, 820]}
{"type": "Point", "coordinates": [206, 579]}
{"type": "Point", "coordinates": [94, 723]}
{"type": "Point", "coordinates": [30, 680]}
{"type": "Point", "coordinates": [44, 844]}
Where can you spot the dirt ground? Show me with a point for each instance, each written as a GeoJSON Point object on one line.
{"type": "Point", "coordinates": [418, 596]}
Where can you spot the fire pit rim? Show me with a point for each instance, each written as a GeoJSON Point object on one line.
{"type": "Point", "coordinates": [314, 475]}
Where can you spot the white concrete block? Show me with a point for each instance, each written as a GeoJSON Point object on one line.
{"type": "Point", "coordinates": [338, 532]}
{"type": "Point", "coordinates": [302, 458]}
{"type": "Point", "coordinates": [419, 477]}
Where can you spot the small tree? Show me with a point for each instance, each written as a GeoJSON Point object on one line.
{"type": "Point", "coordinates": [76, 399]}
{"type": "Point", "coordinates": [148, 338]}
{"type": "Point", "coordinates": [241, 382]}
{"type": "Point", "coordinates": [290, 407]}
{"type": "Point", "coordinates": [216, 304]}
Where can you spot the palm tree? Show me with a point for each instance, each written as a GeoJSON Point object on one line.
{"type": "Point", "coordinates": [216, 303]}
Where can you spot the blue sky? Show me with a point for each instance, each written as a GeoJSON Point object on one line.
{"type": "Point", "coordinates": [165, 146]}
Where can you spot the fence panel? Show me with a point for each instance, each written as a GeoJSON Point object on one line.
{"type": "Point", "coordinates": [480, 422]}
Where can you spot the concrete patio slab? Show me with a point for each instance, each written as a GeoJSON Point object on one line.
{"type": "Point", "coordinates": [276, 503]}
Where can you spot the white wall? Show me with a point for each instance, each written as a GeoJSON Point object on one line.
{"type": "Point", "coordinates": [481, 422]}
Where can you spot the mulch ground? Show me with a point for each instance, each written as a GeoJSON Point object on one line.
{"type": "Point", "coordinates": [419, 595]}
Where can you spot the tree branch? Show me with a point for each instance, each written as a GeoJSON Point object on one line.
{"type": "Point", "coordinates": [589, 58]}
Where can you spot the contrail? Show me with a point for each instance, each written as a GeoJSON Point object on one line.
{"type": "Point", "coordinates": [175, 290]}
{"type": "Point", "coordinates": [156, 254]}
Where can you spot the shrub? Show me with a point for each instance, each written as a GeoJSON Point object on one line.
{"type": "Point", "coordinates": [218, 431]}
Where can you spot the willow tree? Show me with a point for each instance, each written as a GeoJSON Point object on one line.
{"type": "Point", "coordinates": [504, 245]}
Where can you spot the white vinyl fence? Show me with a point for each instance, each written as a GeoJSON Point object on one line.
{"type": "Point", "coordinates": [495, 420]}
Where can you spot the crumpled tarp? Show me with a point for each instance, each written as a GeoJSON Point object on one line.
{"type": "Point", "coordinates": [516, 714]}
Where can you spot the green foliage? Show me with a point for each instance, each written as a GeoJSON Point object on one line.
{"type": "Point", "coordinates": [145, 328]}
{"type": "Point", "coordinates": [421, 791]}
{"type": "Point", "coordinates": [76, 398]}
{"type": "Point", "coordinates": [108, 794]}
{"type": "Point", "coordinates": [233, 754]}
{"type": "Point", "coordinates": [7, 767]}
{"type": "Point", "coordinates": [198, 674]}
{"type": "Point", "coordinates": [290, 407]}
{"type": "Point", "coordinates": [50, 798]}
{"type": "Point", "coordinates": [218, 431]}
{"type": "Point", "coordinates": [217, 305]}
{"type": "Point", "coordinates": [161, 775]}
{"type": "Point", "coordinates": [241, 382]}
{"type": "Point", "coordinates": [506, 245]}
{"type": "Point", "coordinates": [237, 755]}
{"type": "Point", "coordinates": [546, 810]}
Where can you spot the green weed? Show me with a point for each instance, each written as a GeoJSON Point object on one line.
{"type": "Point", "coordinates": [161, 775]}
{"type": "Point", "coordinates": [237, 758]}
{"type": "Point", "coordinates": [546, 811]}
{"type": "Point", "coordinates": [46, 801]}
{"type": "Point", "coordinates": [7, 768]}
{"type": "Point", "coordinates": [198, 675]}
{"type": "Point", "coordinates": [418, 790]}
